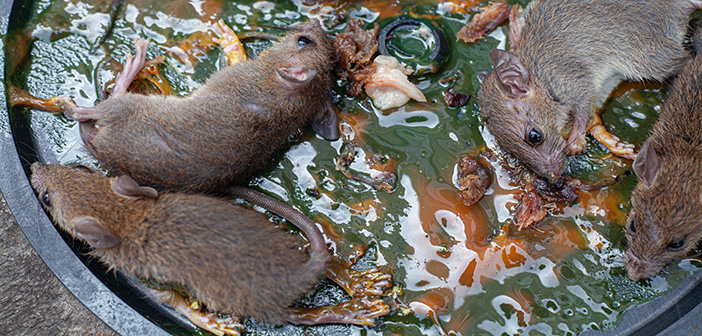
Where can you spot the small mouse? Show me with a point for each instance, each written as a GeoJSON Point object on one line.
{"type": "Point", "coordinates": [229, 257]}
{"type": "Point", "coordinates": [665, 221]}
{"type": "Point", "coordinates": [226, 130]}
{"type": "Point", "coordinates": [540, 99]}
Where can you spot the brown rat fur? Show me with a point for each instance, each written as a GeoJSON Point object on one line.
{"type": "Point", "coordinates": [226, 130]}
{"type": "Point", "coordinates": [231, 258]}
{"type": "Point", "coordinates": [665, 222]}
{"type": "Point", "coordinates": [567, 59]}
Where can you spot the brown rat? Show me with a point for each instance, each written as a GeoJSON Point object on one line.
{"type": "Point", "coordinates": [569, 56]}
{"type": "Point", "coordinates": [226, 130]}
{"type": "Point", "coordinates": [231, 258]}
{"type": "Point", "coordinates": [665, 222]}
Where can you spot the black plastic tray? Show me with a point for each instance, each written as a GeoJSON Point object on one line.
{"type": "Point", "coordinates": [121, 304]}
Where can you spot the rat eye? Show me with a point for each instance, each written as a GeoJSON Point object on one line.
{"type": "Point", "coordinates": [675, 245]}
{"type": "Point", "coordinates": [45, 199]}
{"type": "Point", "coordinates": [303, 41]}
{"type": "Point", "coordinates": [534, 137]}
{"type": "Point", "coordinates": [632, 227]}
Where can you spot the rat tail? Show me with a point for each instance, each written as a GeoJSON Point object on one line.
{"type": "Point", "coordinates": [318, 246]}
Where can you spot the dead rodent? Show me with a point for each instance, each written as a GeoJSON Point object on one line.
{"type": "Point", "coordinates": [665, 222]}
{"type": "Point", "coordinates": [225, 131]}
{"type": "Point", "coordinates": [231, 258]}
{"type": "Point", "coordinates": [569, 56]}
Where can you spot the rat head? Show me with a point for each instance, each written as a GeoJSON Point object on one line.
{"type": "Point", "coordinates": [524, 118]}
{"type": "Point", "coordinates": [665, 221]}
{"type": "Point", "coordinates": [304, 54]}
{"type": "Point", "coordinates": [84, 202]}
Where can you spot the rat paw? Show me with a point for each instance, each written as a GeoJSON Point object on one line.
{"type": "Point", "coordinates": [220, 325]}
{"type": "Point", "coordinates": [366, 285]}
{"type": "Point", "coordinates": [214, 323]}
{"type": "Point", "coordinates": [577, 145]}
{"type": "Point", "coordinates": [73, 111]}
{"type": "Point", "coordinates": [354, 311]}
{"type": "Point", "coordinates": [131, 67]}
{"type": "Point", "coordinates": [613, 143]}
{"type": "Point", "coordinates": [232, 47]}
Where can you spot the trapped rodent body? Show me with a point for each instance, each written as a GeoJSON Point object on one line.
{"type": "Point", "coordinates": [231, 258]}
{"type": "Point", "coordinates": [225, 131]}
{"type": "Point", "coordinates": [665, 222]}
{"type": "Point", "coordinates": [568, 56]}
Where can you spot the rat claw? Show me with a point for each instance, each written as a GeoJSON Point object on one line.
{"type": "Point", "coordinates": [383, 283]}
{"type": "Point", "coordinates": [376, 292]}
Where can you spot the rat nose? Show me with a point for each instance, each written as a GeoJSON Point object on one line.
{"type": "Point", "coordinates": [638, 269]}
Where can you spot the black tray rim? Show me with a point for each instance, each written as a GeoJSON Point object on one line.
{"type": "Point", "coordinates": [678, 312]}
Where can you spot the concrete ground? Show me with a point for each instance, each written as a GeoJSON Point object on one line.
{"type": "Point", "coordinates": [32, 299]}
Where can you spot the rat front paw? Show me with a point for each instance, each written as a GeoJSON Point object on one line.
{"type": "Point", "coordinates": [577, 145]}
{"type": "Point", "coordinates": [232, 47]}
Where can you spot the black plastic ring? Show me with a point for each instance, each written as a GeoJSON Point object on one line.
{"type": "Point", "coordinates": [441, 50]}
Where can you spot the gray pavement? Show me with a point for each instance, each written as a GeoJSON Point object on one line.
{"type": "Point", "coordinates": [32, 299]}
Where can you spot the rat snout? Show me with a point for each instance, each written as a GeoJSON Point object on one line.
{"type": "Point", "coordinates": [553, 168]}
{"type": "Point", "coordinates": [638, 269]}
{"type": "Point", "coordinates": [34, 167]}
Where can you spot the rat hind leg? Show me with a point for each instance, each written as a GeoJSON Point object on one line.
{"type": "Point", "coordinates": [131, 68]}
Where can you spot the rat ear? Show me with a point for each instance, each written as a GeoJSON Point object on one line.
{"type": "Point", "coordinates": [91, 230]}
{"type": "Point", "coordinates": [647, 164]}
{"type": "Point", "coordinates": [512, 75]}
{"type": "Point", "coordinates": [127, 187]}
{"type": "Point", "coordinates": [326, 123]}
{"type": "Point", "coordinates": [296, 75]}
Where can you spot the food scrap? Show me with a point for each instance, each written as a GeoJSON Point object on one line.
{"type": "Point", "coordinates": [492, 16]}
{"type": "Point", "coordinates": [530, 210]}
{"type": "Point", "coordinates": [379, 179]}
{"type": "Point", "coordinates": [355, 49]}
{"type": "Point", "coordinates": [559, 191]}
{"type": "Point", "coordinates": [473, 180]}
{"type": "Point", "coordinates": [389, 87]}
{"type": "Point", "coordinates": [454, 99]}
